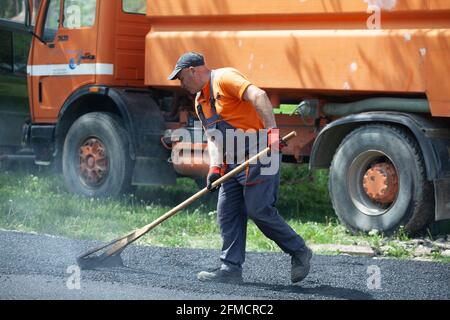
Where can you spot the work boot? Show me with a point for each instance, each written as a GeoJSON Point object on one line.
{"type": "Point", "coordinates": [300, 264]}
{"type": "Point", "coordinates": [220, 275]}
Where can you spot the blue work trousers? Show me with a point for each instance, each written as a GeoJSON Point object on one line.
{"type": "Point", "coordinates": [251, 195]}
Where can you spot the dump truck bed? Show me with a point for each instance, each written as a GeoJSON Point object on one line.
{"type": "Point", "coordinates": [302, 48]}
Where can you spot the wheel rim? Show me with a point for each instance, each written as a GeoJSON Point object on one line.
{"type": "Point", "coordinates": [373, 183]}
{"type": "Point", "coordinates": [94, 164]}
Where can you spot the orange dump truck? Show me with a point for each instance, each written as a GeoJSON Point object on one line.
{"type": "Point", "coordinates": [368, 79]}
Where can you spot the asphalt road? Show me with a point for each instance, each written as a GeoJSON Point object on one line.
{"type": "Point", "coordinates": [42, 267]}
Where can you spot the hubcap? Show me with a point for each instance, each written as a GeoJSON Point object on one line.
{"type": "Point", "coordinates": [93, 162]}
{"type": "Point", "coordinates": [373, 183]}
{"type": "Point", "coordinates": [381, 183]}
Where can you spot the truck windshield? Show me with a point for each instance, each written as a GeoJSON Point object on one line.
{"type": "Point", "coordinates": [79, 13]}
{"type": "Point", "coordinates": [51, 20]}
{"type": "Point", "coordinates": [36, 4]}
{"type": "Point", "coordinates": [13, 10]}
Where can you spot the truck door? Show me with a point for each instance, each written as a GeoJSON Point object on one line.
{"type": "Point", "coordinates": [15, 44]}
{"type": "Point", "coordinates": [66, 58]}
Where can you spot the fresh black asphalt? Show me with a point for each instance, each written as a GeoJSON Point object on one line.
{"type": "Point", "coordinates": [42, 267]}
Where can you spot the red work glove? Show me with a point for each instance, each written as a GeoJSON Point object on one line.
{"type": "Point", "coordinates": [274, 141]}
{"type": "Point", "coordinates": [214, 173]}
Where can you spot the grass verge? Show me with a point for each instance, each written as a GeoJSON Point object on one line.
{"type": "Point", "coordinates": [40, 203]}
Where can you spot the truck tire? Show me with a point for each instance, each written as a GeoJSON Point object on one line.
{"type": "Point", "coordinates": [96, 160]}
{"type": "Point", "coordinates": [378, 181]}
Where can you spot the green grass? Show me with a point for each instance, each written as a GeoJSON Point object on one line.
{"type": "Point", "coordinates": [398, 252]}
{"type": "Point", "coordinates": [285, 109]}
{"type": "Point", "coordinates": [439, 257]}
{"type": "Point", "coordinates": [40, 203]}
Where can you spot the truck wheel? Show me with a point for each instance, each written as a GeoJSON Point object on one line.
{"type": "Point", "coordinates": [96, 161]}
{"type": "Point", "coordinates": [378, 181]}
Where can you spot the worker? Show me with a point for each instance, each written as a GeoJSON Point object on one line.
{"type": "Point", "coordinates": [227, 100]}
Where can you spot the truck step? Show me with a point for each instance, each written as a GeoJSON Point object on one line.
{"type": "Point", "coordinates": [17, 157]}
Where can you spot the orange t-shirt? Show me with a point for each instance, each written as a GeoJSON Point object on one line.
{"type": "Point", "coordinates": [229, 87]}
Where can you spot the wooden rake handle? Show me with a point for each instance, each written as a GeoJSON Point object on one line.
{"type": "Point", "coordinates": [121, 243]}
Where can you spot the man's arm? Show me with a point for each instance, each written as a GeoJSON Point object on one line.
{"type": "Point", "coordinates": [215, 156]}
{"type": "Point", "coordinates": [262, 104]}
{"type": "Point", "coordinates": [215, 163]}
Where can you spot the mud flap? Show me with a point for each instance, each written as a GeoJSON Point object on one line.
{"type": "Point", "coordinates": [442, 194]}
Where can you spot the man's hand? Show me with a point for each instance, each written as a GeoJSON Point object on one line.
{"type": "Point", "coordinates": [274, 141]}
{"type": "Point", "coordinates": [214, 173]}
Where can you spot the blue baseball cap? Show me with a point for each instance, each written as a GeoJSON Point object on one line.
{"type": "Point", "coordinates": [189, 59]}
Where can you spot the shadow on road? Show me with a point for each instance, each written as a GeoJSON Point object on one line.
{"type": "Point", "coordinates": [320, 291]}
{"type": "Point", "coordinates": [317, 292]}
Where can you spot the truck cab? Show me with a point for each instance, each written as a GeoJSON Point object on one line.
{"type": "Point", "coordinates": [83, 63]}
